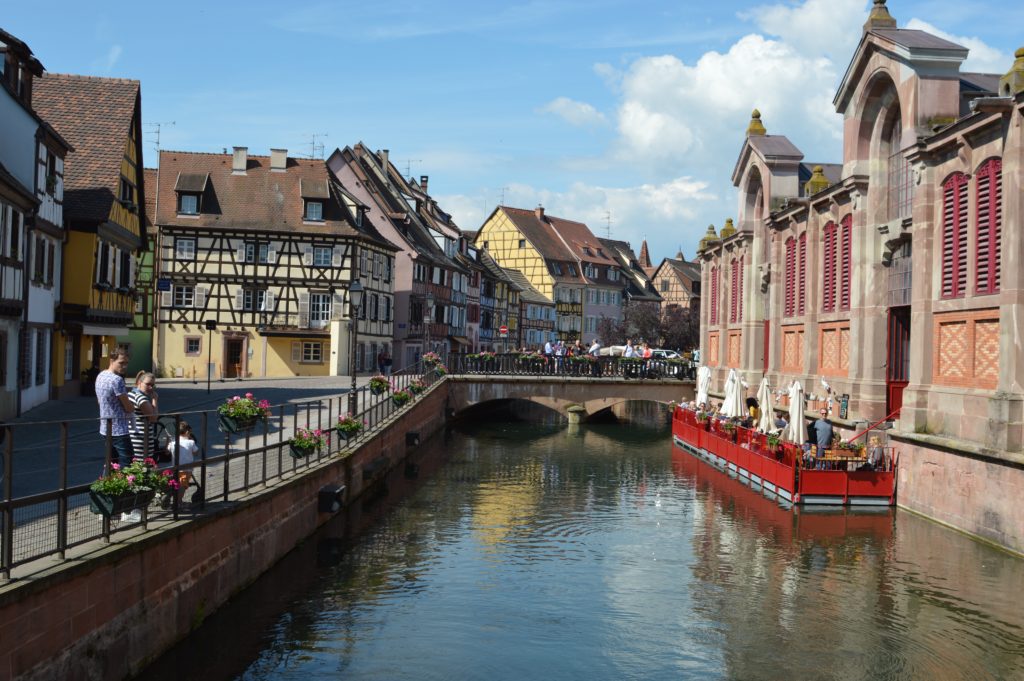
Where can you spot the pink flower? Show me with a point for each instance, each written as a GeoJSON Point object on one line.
{"type": "Point", "coordinates": [265, 404]}
{"type": "Point", "coordinates": [150, 461]}
{"type": "Point", "coordinates": [248, 396]}
{"type": "Point", "coordinates": [116, 466]}
{"type": "Point", "coordinates": [131, 478]}
{"type": "Point", "coordinates": [168, 474]}
{"type": "Point", "coordinates": [236, 397]}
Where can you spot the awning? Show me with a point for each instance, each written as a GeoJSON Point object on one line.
{"type": "Point", "coordinates": [461, 340]}
{"type": "Point", "coordinates": [104, 330]}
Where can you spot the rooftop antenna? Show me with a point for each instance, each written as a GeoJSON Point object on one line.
{"type": "Point", "coordinates": [316, 145]}
{"type": "Point", "coordinates": [608, 224]}
{"type": "Point", "coordinates": [408, 166]}
{"type": "Point", "coordinates": [154, 129]}
{"type": "Point", "coordinates": [503, 190]}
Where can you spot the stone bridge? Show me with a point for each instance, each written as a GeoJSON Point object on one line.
{"type": "Point", "coordinates": [586, 396]}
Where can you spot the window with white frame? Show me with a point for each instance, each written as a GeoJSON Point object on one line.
{"type": "Point", "coordinates": [312, 352]}
{"type": "Point", "coordinates": [314, 211]}
{"type": "Point", "coordinates": [193, 345]}
{"type": "Point", "coordinates": [319, 309]}
{"type": "Point", "coordinates": [256, 252]}
{"type": "Point", "coordinates": [254, 299]}
{"type": "Point", "coordinates": [322, 256]}
{"type": "Point", "coordinates": [184, 249]}
{"type": "Point", "coordinates": [184, 296]}
{"type": "Point", "coordinates": [188, 204]}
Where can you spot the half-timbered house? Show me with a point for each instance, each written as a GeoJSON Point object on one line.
{"type": "Point", "coordinates": [104, 205]}
{"type": "Point", "coordinates": [677, 281]}
{"type": "Point", "coordinates": [431, 284]}
{"type": "Point", "coordinates": [31, 232]}
{"type": "Point", "coordinates": [637, 287]}
{"type": "Point", "coordinates": [264, 249]}
{"type": "Point", "coordinates": [536, 314]}
{"type": "Point", "coordinates": [499, 306]}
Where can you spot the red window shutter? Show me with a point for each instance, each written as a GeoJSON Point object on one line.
{"type": "Point", "coordinates": [732, 292]}
{"type": "Point", "coordinates": [954, 236]}
{"type": "Point", "coordinates": [714, 295]}
{"type": "Point", "coordinates": [790, 275]}
{"type": "Point", "coordinates": [739, 290]}
{"type": "Point", "coordinates": [846, 263]}
{"type": "Point", "coordinates": [828, 290]}
{"type": "Point", "coordinates": [802, 277]}
{"type": "Point", "coordinates": [988, 194]}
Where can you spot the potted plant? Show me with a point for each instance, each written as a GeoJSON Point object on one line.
{"type": "Point", "coordinates": [242, 413]}
{"type": "Point", "coordinates": [128, 488]}
{"type": "Point", "coordinates": [306, 442]}
{"type": "Point", "coordinates": [440, 370]}
{"type": "Point", "coordinates": [773, 439]}
{"type": "Point", "coordinates": [417, 386]}
{"type": "Point", "coordinates": [379, 385]}
{"type": "Point", "coordinates": [401, 397]}
{"type": "Point", "coordinates": [349, 426]}
{"type": "Point", "coordinates": [431, 359]}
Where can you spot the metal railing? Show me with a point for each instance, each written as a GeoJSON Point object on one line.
{"type": "Point", "coordinates": [531, 364]}
{"type": "Point", "coordinates": [44, 508]}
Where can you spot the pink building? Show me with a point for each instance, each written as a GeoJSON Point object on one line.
{"type": "Point", "coordinates": [891, 276]}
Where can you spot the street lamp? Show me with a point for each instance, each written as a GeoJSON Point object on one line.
{"type": "Point", "coordinates": [355, 298]}
{"type": "Point", "coordinates": [429, 300]}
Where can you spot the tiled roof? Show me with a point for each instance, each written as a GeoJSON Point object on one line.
{"type": "Point", "coordinates": [95, 116]}
{"type": "Point", "coordinates": [542, 234]}
{"type": "Point", "coordinates": [259, 200]}
{"type": "Point", "coordinates": [150, 180]}
{"type": "Point", "coordinates": [980, 82]}
{"type": "Point", "coordinates": [528, 294]}
{"type": "Point", "coordinates": [774, 145]}
{"type": "Point", "coordinates": [912, 38]}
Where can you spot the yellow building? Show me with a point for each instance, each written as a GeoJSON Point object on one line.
{"type": "Point", "coordinates": [265, 250]}
{"type": "Point", "coordinates": [104, 202]}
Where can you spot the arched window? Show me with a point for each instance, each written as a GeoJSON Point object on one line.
{"type": "Point", "coordinates": [828, 256]}
{"type": "Point", "coordinates": [801, 306]}
{"type": "Point", "coordinates": [954, 236]}
{"type": "Point", "coordinates": [901, 185]}
{"type": "Point", "coordinates": [736, 292]}
{"type": "Point", "coordinates": [714, 295]}
{"type": "Point", "coordinates": [790, 301]}
{"type": "Point", "coordinates": [845, 262]}
{"type": "Point", "coordinates": [989, 197]}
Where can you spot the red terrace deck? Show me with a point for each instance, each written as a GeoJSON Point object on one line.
{"type": "Point", "coordinates": [779, 470]}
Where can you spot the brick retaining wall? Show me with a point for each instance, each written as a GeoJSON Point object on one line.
{"type": "Point", "coordinates": [105, 617]}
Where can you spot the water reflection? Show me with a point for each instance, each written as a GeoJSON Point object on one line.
{"type": "Point", "coordinates": [524, 551]}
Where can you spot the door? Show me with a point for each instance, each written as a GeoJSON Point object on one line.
{"type": "Point", "coordinates": [234, 349]}
{"type": "Point", "coordinates": [897, 371]}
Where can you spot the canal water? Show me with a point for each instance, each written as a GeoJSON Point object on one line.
{"type": "Point", "coordinates": [523, 551]}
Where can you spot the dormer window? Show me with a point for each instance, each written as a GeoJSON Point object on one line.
{"type": "Point", "coordinates": [556, 269]}
{"type": "Point", "coordinates": [572, 270]}
{"type": "Point", "coordinates": [314, 211]}
{"type": "Point", "coordinates": [190, 188]}
{"type": "Point", "coordinates": [586, 250]}
{"type": "Point", "coordinates": [188, 204]}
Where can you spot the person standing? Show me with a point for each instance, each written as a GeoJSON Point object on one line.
{"type": "Point", "coordinates": [549, 356]}
{"type": "Point", "coordinates": [115, 407]}
{"type": "Point", "coordinates": [142, 428]}
{"type": "Point", "coordinates": [823, 433]}
{"type": "Point", "coordinates": [595, 353]}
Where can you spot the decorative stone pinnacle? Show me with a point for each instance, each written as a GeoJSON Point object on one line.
{"type": "Point", "coordinates": [817, 183]}
{"type": "Point", "coordinates": [709, 237]}
{"type": "Point", "coordinates": [1013, 82]}
{"type": "Point", "coordinates": [728, 229]}
{"type": "Point", "coordinates": [756, 127]}
{"type": "Point", "coordinates": [879, 17]}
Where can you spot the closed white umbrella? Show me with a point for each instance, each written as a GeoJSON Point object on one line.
{"type": "Point", "coordinates": [767, 406]}
{"type": "Point", "coordinates": [703, 384]}
{"type": "Point", "coordinates": [796, 430]}
{"type": "Point", "coordinates": [733, 406]}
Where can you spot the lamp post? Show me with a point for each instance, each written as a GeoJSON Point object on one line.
{"type": "Point", "coordinates": [429, 300]}
{"type": "Point", "coordinates": [211, 326]}
{"type": "Point", "coordinates": [355, 298]}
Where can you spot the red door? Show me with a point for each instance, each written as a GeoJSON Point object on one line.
{"type": "Point", "coordinates": [897, 364]}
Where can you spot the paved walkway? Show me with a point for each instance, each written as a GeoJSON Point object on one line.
{"type": "Point", "coordinates": [37, 433]}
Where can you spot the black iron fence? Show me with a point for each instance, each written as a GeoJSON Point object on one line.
{"type": "Point", "coordinates": [533, 364]}
{"type": "Point", "coordinates": [45, 502]}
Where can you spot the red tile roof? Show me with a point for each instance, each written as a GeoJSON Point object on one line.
{"type": "Point", "coordinates": [541, 233]}
{"type": "Point", "coordinates": [95, 115]}
{"type": "Point", "coordinates": [259, 200]}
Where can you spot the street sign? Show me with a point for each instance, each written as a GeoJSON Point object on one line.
{"type": "Point", "coordinates": [503, 330]}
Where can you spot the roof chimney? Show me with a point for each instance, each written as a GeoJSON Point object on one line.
{"type": "Point", "coordinates": [239, 160]}
{"type": "Point", "coordinates": [278, 160]}
{"type": "Point", "coordinates": [539, 212]}
{"type": "Point", "coordinates": [423, 183]}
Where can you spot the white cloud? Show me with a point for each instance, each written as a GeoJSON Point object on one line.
{"type": "Point", "coordinates": [817, 27]}
{"type": "Point", "coordinates": [575, 113]}
{"type": "Point", "coordinates": [982, 58]}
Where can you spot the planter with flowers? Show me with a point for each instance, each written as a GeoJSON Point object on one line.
{"type": "Point", "coordinates": [349, 427]}
{"type": "Point", "coordinates": [440, 370]}
{"type": "Point", "coordinates": [401, 397]}
{"type": "Point", "coordinates": [431, 359]}
{"type": "Point", "coordinates": [306, 442]}
{"type": "Point", "coordinates": [128, 488]}
{"type": "Point", "coordinates": [239, 414]}
{"type": "Point", "coordinates": [379, 385]}
{"type": "Point", "coordinates": [417, 387]}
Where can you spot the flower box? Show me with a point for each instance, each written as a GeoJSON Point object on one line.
{"type": "Point", "coordinates": [298, 452]}
{"type": "Point", "coordinates": [107, 505]}
{"type": "Point", "coordinates": [401, 398]}
{"type": "Point", "coordinates": [231, 424]}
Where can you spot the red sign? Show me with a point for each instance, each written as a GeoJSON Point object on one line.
{"type": "Point", "coordinates": [503, 330]}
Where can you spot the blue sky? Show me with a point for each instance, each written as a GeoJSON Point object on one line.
{"type": "Point", "coordinates": [633, 111]}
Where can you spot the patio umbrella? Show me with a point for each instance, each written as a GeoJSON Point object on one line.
{"type": "Point", "coordinates": [733, 405]}
{"type": "Point", "coordinates": [796, 430]}
{"type": "Point", "coordinates": [703, 384]}
{"type": "Point", "coordinates": [767, 406]}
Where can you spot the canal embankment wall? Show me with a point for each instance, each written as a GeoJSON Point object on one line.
{"type": "Point", "coordinates": [105, 616]}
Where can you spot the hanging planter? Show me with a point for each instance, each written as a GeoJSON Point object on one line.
{"type": "Point", "coordinates": [306, 442]}
{"type": "Point", "coordinates": [401, 398]}
{"type": "Point", "coordinates": [108, 505]}
{"type": "Point", "coordinates": [240, 414]}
